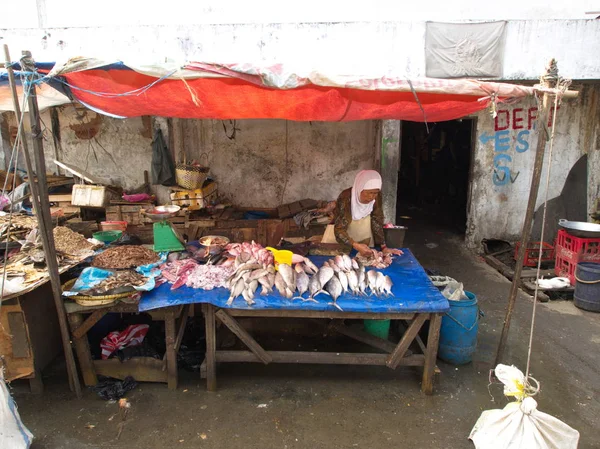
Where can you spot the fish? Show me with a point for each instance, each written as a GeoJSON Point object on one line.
{"type": "Point", "coordinates": [252, 265]}
{"type": "Point", "coordinates": [248, 297]}
{"type": "Point", "coordinates": [314, 287]}
{"type": "Point", "coordinates": [347, 262]}
{"type": "Point", "coordinates": [302, 281]}
{"type": "Point", "coordinates": [325, 274]}
{"type": "Point", "coordinates": [280, 284]}
{"type": "Point", "coordinates": [387, 286]}
{"type": "Point", "coordinates": [362, 284]}
{"type": "Point", "coordinates": [266, 286]}
{"type": "Point", "coordinates": [335, 267]}
{"type": "Point", "coordinates": [236, 291]}
{"type": "Point", "coordinates": [339, 261]}
{"type": "Point", "coordinates": [372, 280]}
{"type": "Point", "coordinates": [288, 275]}
{"type": "Point", "coordinates": [325, 264]}
{"type": "Point", "coordinates": [257, 274]}
{"type": "Point", "coordinates": [312, 267]}
{"type": "Point", "coordinates": [251, 289]}
{"type": "Point", "coordinates": [380, 282]}
{"type": "Point", "coordinates": [343, 280]}
{"type": "Point", "coordinates": [334, 288]}
{"type": "Point", "coordinates": [354, 264]}
{"type": "Point", "coordinates": [353, 282]}
{"type": "Point", "coordinates": [271, 279]}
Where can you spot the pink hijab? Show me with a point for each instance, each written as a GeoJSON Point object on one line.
{"type": "Point", "coordinates": [365, 180]}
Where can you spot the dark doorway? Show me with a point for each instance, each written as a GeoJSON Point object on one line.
{"type": "Point", "coordinates": [433, 184]}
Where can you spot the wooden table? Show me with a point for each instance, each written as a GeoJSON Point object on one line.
{"type": "Point", "coordinates": [394, 354]}
{"type": "Point", "coordinates": [143, 369]}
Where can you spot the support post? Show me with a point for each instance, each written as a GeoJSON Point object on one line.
{"type": "Point", "coordinates": [544, 113]}
{"type": "Point", "coordinates": [39, 195]}
{"type": "Point", "coordinates": [389, 147]}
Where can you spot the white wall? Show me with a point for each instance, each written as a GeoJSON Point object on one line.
{"type": "Point", "coordinates": [359, 47]}
{"type": "Point", "coordinates": [499, 200]}
{"type": "Point", "coordinates": [70, 13]}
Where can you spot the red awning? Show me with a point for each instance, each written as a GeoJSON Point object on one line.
{"type": "Point", "coordinates": [206, 91]}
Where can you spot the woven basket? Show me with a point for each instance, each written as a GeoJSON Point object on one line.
{"type": "Point", "coordinates": [191, 176]}
{"type": "Point", "coordinates": [84, 300]}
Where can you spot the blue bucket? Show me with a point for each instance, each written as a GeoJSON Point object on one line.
{"type": "Point", "coordinates": [458, 334]}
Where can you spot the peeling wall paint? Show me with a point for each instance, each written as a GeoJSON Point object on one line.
{"type": "Point", "coordinates": [504, 157]}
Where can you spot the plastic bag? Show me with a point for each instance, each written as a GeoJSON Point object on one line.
{"type": "Point", "coordinates": [454, 291]}
{"type": "Point", "coordinates": [520, 424]}
{"type": "Point", "coordinates": [13, 434]}
{"type": "Point", "coordinates": [113, 389]}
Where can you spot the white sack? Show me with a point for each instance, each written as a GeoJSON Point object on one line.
{"type": "Point", "coordinates": [520, 425]}
{"type": "Point", "coordinates": [13, 434]}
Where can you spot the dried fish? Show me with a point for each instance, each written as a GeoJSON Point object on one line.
{"type": "Point", "coordinates": [126, 256]}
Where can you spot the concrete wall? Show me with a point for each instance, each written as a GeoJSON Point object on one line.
{"type": "Point", "coordinates": [504, 156]}
{"type": "Point", "coordinates": [266, 164]}
{"type": "Point", "coordinates": [273, 162]}
{"type": "Point", "coordinates": [358, 47]}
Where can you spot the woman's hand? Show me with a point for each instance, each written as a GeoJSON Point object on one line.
{"type": "Point", "coordinates": [393, 251]}
{"type": "Point", "coordinates": [363, 249]}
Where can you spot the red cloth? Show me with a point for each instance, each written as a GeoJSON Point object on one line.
{"type": "Point", "coordinates": [132, 336]}
{"type": "Point", "coordinates": [237, 98]}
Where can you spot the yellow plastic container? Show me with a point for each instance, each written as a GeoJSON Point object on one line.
{"type": "Point", "coordinates": [281, 256]}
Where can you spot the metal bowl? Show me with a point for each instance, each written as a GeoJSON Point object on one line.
{"type": "Point", "coordinates": [162, 212]}
{"type": "Point", "coordinates": [580, 228]}
{"type": "Point", "coordinates": [209, 241]}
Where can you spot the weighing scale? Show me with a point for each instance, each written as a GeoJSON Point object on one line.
{"type": "Point", "coordinates": [166, 237]}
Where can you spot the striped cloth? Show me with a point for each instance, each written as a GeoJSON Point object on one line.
{"type": "Point", "coordinates": [132, 336]}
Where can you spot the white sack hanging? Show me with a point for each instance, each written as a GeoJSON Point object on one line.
{"type": "Point", "coordinates": [520, 424]}
{"type": "Point", "coordinates": [13, 434]}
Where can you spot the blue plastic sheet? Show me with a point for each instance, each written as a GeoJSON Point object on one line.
{"type": "Point", "coordinates": [412, 292]}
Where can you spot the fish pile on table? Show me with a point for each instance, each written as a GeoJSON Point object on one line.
{"type": "Point", "coordinates": [119, 279]}
{"type": "Point", "coordinates": [189, 272]}
{"type": "Point", "coordinates": [71, 243]}
{"type": "Point", "coordinates": [250, 272]}
{"type": "Point", "coordinates": [16, 227]}
{"type": "Point", "coordinates": [377, 259]}
{"type": "Point", "coordinates": [335, 277]}
{"type": "Point", "coordinates": [125, 256]}
{"type": "Point", "coordinates": [255, 250]}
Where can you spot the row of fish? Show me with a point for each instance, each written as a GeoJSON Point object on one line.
{"type": "Point", "coordinates": [336, 276]}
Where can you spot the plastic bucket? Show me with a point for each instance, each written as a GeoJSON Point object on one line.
{"type": "Point", "coordinates": [587, 286]}
{"type": "Point", "coordinates": [378, 328]}
{"type": "Point", "coordinates": [458, 334]}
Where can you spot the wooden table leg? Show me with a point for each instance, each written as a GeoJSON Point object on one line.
{"type": "Point", "coordinates": [399, 352]}
{"type": "Point", "coordinates": [433, 340]}
{"type": "Point", "coordinates": [211, 347]}
{"type": "Point", "coordinates": [170, 349]}
{"type": "Point", "coordinates": [82, 349]}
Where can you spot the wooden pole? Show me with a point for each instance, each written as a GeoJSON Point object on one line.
{"type": "Point", "coordinates": [41, 203]}
{"type": "Point", "coordinates": [544, 114]}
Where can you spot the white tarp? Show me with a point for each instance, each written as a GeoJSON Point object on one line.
{"type": "Point", "coordinates": [455, 50]}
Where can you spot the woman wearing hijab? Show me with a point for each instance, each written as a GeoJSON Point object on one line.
{"type": "Point", "coordinates": [359, 215]}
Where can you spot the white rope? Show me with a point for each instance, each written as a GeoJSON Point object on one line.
{"type": "Point", "coordinates": [562, 86]}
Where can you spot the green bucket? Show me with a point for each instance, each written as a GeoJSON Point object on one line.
{"type": "Point", "coordinates": [377, 328]}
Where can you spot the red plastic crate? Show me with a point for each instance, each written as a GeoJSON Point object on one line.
{"type": "Point", "coordinates": [532, 253]}
{"type": "Point", "coordinates": [571, 250]}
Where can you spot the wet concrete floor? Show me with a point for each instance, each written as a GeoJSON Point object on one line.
{"type": "Point", "coordinates": [306, 406]}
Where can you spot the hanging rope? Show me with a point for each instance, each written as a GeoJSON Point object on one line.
{"type": "Point", "coordinates": [562, 85]}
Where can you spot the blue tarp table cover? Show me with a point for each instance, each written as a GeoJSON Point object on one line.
{"type": "Point", "coordinates": [413, 292]}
